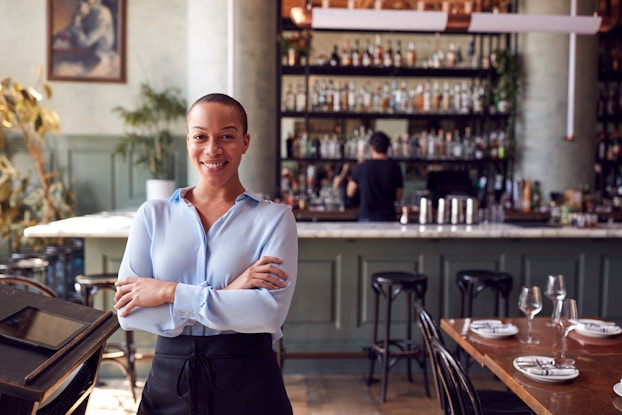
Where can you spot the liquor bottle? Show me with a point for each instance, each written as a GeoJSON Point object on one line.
{"type": "Point", "coordinates": [337, 97]}
{"type": "Point", "coordinates": [451, 56]}
{"type": "Point", "coordinates": [457, 148]}
{"type": "Point", "coordinates": [321, 57]}
{"type": "Point", "coordinates": [526, 199]}
{"type": "Point", "coordinates": [367, 59]}
{"type": "Point", "coordinates": [315, 96]}
{"type": "Point", "coordinates": [411, 55]}
{"type": "Point", "coordinates": [385, 98]}
{"type": "Point", "coordinates": [322, 97]}
{"type": "Point", "coordinates": [397, 55]}
{"type": "Point", "coordinates": [367, 97]}
{"type": "Point", "coordinates": [378, 52]}
{"type": "Point", "coordinates": [328, 92]}
{"type": "Point", "coordinates": [420, 94]}
{"type": "Point", "coordinates": [376, 98]}
{"type": "Point", "coordinates": [387, 59]}
{"type": "Point", "coordinates": [290, 98]}
{"type": "Point", "coordinates": [536, 196]}
{"type": "Point", "coordinates": [445, 98]}
{"type": "Point", "coordinates": [427, 97]}
{"type": "Point", "coordinates": [356, 54]}
{"type": "Point", "coordinates": [344, 97]}
{"type": "Point", "coordinates": [478, 98]}
{"type": "Point", "coordinates": [436, 97]}
{"type": "Point", "coordinates": [456, 106]}
{"type": "Point", "coordinates": [465, 98]}
{"type": "Point", "coordinates": [351, 101]}
{"type": "Point", "coordinates": [301, 98]}
{"type": "Point", "coordinates": [439, 55]}
{"type": "Point", "coordinates": [346, 54]}
{"type": "Point", "coordinates": [471, 53]}
{"type": "Point", "coordinates": [334, 57]}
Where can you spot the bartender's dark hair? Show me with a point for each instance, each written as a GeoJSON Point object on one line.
{"type": "Point", "coordinates": [224, 100]}
{"type": "Point", "coordinates": [380, 142]}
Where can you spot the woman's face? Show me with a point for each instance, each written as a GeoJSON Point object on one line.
{"type": "Point", "coordinates": [216, 142]}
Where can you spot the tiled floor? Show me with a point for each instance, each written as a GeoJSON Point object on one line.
{"type": "Point", "coordinates": [313, 395]}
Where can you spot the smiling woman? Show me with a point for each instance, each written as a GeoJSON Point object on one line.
{"type": "Point", "coordinates": [215, 286]}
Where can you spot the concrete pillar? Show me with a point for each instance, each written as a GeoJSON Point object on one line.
{"type": "Point", "coordinates": [542, 151]}
{"type": "Point", "coordinates": [251, 80]}
{"type": "Point", "coordinates": [255, 86]}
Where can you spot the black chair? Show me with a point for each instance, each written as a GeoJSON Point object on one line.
{"type": "Point", "coordinates": [121, 354]}
{"type": "Point", "coordinates": [454, 390]}
{"type": "Point", "coordinates": [27, 284]}
{"type": "Point", "coordinates": [473, 281]}
{"type": "Point", "coordinates": [387, 350]}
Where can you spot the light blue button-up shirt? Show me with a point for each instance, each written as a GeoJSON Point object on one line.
{"type": "Point", "coordinates": [168, 242]}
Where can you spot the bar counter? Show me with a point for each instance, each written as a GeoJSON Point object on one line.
{"type": "Point", "coordinates": [116, 224]}
{"type": "Point", "coordinates": [331, 311]}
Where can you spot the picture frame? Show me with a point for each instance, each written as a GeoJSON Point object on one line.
{"type": "Point", "coordinates": [86, 40]}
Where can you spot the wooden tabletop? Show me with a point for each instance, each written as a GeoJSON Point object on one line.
{"type": "Point", "coordinates": [599, 361]}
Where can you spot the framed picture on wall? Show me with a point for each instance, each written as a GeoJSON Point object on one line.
{"type": "Point", "coordinates": [86, 40]}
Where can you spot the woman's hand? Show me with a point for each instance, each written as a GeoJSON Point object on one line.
{"type": "Point", "coordinates": [262, 273]}
{"type": "Point", "coordinates": [144, 292]}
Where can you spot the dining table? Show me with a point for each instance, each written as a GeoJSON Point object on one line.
{"type": "Point", "coordinates": [597, 359]}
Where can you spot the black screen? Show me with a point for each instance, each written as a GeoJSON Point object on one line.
{"type": "Point", "coordinates": [40, 328]}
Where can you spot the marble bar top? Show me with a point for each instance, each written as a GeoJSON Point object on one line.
{"type": "Point", "coordinates": [116, 224]}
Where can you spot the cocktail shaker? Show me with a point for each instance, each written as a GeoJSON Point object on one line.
{"type": "Point", "coordinates": [425, 211]}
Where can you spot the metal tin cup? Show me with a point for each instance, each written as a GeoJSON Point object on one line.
{"type": "Point", "coordinates": [441, 212]}
{"type": "Point", "coordinates": [471, 211]}
{"type": "Point", "coordinates": [425, 211]}
{"type": "Point", "coordinates": [457, 210]}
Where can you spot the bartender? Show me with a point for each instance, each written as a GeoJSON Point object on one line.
{"type": "Point", "coordinates": [378, 181]}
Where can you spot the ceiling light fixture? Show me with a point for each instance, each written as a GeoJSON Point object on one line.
{"type": "Point", "coordinates": [435, 21]}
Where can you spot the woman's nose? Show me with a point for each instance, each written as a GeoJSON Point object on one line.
{"type": "Point", "coordinates": [212, 147]}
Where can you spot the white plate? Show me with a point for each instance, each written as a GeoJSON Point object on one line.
{"type": "Point", "coordinates": [544, 378]}
{"type": "Point", "coordinates": [490, 335]}
{"type": "Point", "coordinates": [617, 388]}
{"type": "Point", "coordinates": [592, 333]}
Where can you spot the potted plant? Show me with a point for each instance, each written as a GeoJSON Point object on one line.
{"type": "Point", "coordinates": [149, 140]}
{"type": "Point", "coordinates": [25, 202]}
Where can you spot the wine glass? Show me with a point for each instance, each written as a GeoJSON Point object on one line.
{"type": "Point", "coordinates": [530, 303]}
{"type": "Point", "coordinates": [555, 291]}
{"type": "Point", "coordinates": [566, 318]}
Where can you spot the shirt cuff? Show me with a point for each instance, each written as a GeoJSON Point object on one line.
{"type": "Point", "coordinates": [187, 301]}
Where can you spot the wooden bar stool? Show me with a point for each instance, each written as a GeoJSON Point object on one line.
{"type": "Point", "coordinates": [387, 350]}
{"type": "Point", "coordinates": [121, 354]}
{"type": "Point", "coordinates": [26, 265]}
{"type": "Point", "coordinates": [473, 281]}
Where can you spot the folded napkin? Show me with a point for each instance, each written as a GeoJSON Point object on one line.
{"type": "Point", "coordinates": [600, 328]}
{"type": "Point", "coordinates": [545, 367]}
{"type": "Point", "coordinates": [551, 370]}
{"type": "Point", "coordinates": [488, 327]}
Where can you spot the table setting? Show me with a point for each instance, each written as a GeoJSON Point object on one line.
{"type": "Point", "coordinates": [493, 329]}
{"type": "Point", "coordinates": [545, 369]}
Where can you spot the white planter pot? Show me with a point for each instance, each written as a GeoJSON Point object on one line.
{"type": "Point", "coordinates": [160, 189]}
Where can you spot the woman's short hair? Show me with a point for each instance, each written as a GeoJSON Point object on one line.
{"type": "Point", "coordinates": [227, 101]}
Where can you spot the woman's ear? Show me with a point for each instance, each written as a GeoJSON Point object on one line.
{"type": "Point", "coordinates": [247, 142]}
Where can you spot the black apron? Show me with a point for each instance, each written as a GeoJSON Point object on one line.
{"type": "Point", "coordinates": [230, 374]}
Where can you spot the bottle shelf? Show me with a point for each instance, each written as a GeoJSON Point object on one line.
{"type": "Point", "coordinates": [469, 161]}
{"type": "Point", "coordinates": [368, 71]}
{"type": "Point", "coordinates": [399, 115]}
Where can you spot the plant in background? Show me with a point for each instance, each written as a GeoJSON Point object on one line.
{"type": "Point", "coordinates": [25, 202]}
{"type": "Point", "coordinates": [150, 140]}
{"type": "Point", "coordinates": [507, 65]}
